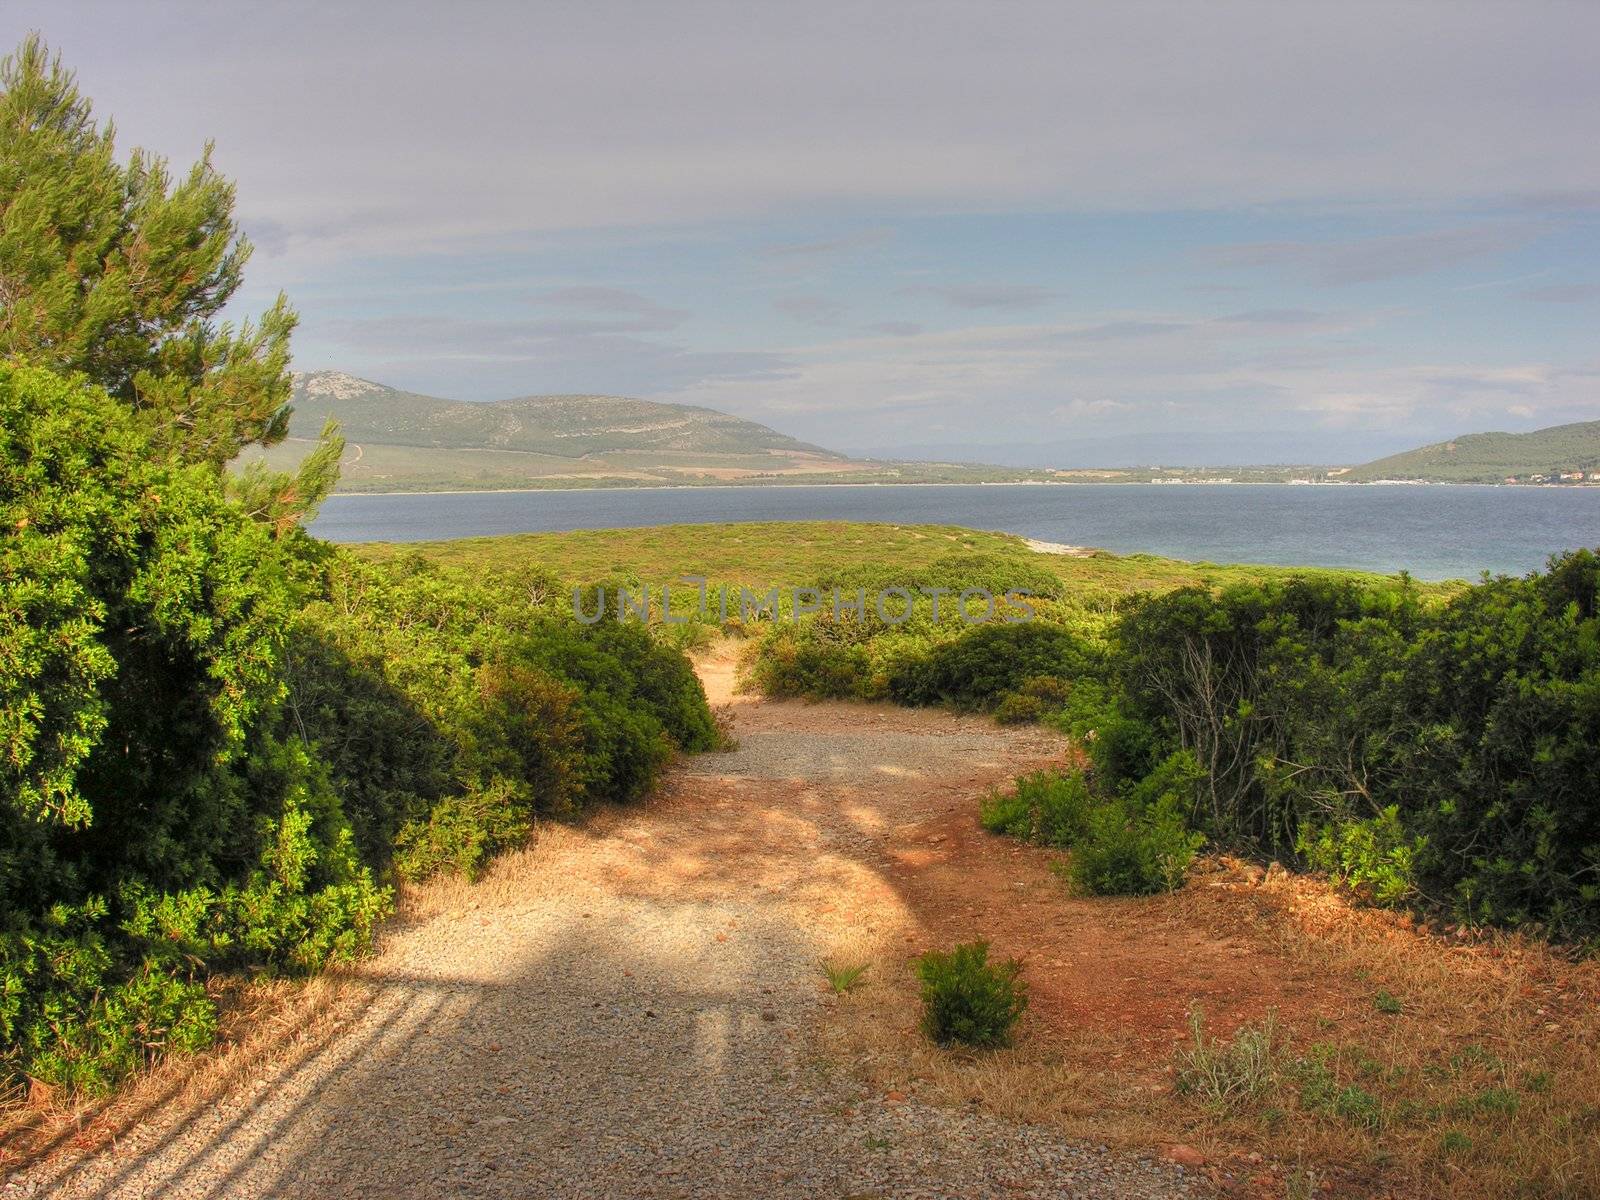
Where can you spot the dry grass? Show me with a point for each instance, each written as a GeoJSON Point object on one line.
{"type": "Point", "coordinates": [260, 1023]}
{"type": "Point", "coordinates": [1485, 1085]}
{"type": "Point", "coordinates": [264, 1022]}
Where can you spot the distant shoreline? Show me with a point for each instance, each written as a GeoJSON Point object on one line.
{"type": "Point", "coordinates": [1080, 483]}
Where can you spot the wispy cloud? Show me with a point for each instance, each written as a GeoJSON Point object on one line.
{"type": "Point", "coordinates": [521, 357]}
{"type": "Point", "coordinates": [1371, 260]}
{"type": "Point", "coordinates": [1154, 374]}
{"type": "Point", "coordinates": [810, 309]}
{"type": "Point", "coordinates": [1564, 293]}
{"type": "Point", "coordinates": [985, 295]}
{"type": "Point", "coordinates": [845, 244]}
{"type": "Point", "coordinates": [614, 310]}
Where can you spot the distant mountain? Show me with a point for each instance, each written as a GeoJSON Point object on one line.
{"type": "Point", "coordinates": [398, 441]}
{"type": "Point", "coordinates": [1494, 457]}
{"type": "Point", "coordinates": [564, 426]}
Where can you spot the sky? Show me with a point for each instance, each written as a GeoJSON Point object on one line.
{"type": "Point", "coordinates": [1056, 234]}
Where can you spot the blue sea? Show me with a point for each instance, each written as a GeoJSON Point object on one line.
{"type": "Point", "coordinates": [1435, 532]}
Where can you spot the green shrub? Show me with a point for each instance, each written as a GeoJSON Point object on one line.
{"type": "Point", "coordinates": [968, 999]}
{"type": "Point", "coordinates": [795, 662]}
{"type": "Point", "coordinates": [1374, 855]}
{"type": "Point", "coordinates": [454, 711]}
{"type": "Point", "coordinates": [1050, 807]}
{"type": "Point", "coordinates": [1016, 708]}
{"type": "Point", "coordinates": [974, 670]}
{"type": "Point", "coordinates": [460, 833]}
{"type": "Point", "coordinates": [1122, 747]}
{"type": "Point", "coordinates": [1033, 700]}
{"type": "Point", "coordinates": [1062, 805]}
{"type": "Point", "coordinates": [1127, 852]}
{"type": "Point", "coordinates": [1010, 813]}
{"type": "Point", "coordinates": [1471, 728]}
{"type": "Point", "coordinates": [158, 822]}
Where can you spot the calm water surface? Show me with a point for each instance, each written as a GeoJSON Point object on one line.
{"type": "Point", "coordinates": [1434, 532]}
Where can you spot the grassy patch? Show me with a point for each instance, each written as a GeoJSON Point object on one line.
{"type": "Point", "coordinates": [842, 978]}
{"type": "Point", "coordinates": [1229, 1074]}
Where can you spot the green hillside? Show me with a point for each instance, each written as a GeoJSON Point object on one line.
{"type": "Point", "coordinates": [1495, 457]}
{"type": "Point", "coordinates": [404, 442]}
{"type": "Point", "coordinates": [561, 426]}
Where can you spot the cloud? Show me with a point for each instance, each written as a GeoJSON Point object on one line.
{"type": "Point", "coordinates": [1143, 376]}
{"type": "Point", "coordinates": [1271, 317]}
{"type": "Point", "coordinates": [409, 128]}
{"type": "Point", "coordinates": [537, 356]}
{"type": "Point", "coordinates": [626, 312]}
{"type": "Point", "coordinates": [1563, 293]}
{"type": "Point", "coordinates": [985, 295]}
{"type": "Point", "coordinates": [1370, 260]}
{"type": "Point", "coordinates": [812, 310]}
{"type": "Point", "coordinates": [1575, 201]}
{"type": "Point", "coordinates": [849, 243]}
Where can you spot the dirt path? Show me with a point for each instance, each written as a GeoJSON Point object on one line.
{"type": "Point", "coordinates": [635, 1008]}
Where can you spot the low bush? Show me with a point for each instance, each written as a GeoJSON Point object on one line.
{"type": "Point", "coordinates": [452, 711]}
{"type": "Point", "coordinates": [1008, 812]}
{"type": "Point", "coordinates": [976, 669]}
{"type": "Point", "coordinates": [796, 662]}
{"type": "Point", "coordinates": [1121, 746]}
{"type": "Point", "coordinates": [1129, 852]}
{"type": "Point", "coordinates": [1136, 843]}
{"type": "Point", "coordinates": [968, 999]}
{"type": "Point", "coordinates": [1035, 699]}
{"type": "Point", "coordinates": [1049, 807]}
{"type": "Point", "coordinates": [1374, 855]}
{"type": "Point", "coordinates": [1015, 708]}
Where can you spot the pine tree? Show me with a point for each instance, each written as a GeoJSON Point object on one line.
{"type": "Point", "coordinates": [120, 271]}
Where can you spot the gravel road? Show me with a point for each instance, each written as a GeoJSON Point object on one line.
{"type": "Point", "coordinates": [629, 1009]}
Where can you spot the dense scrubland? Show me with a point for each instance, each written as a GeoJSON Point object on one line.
{"type": "Point", "coordinates": [1423, 746]}
{"type": "Point", "coordinates": [223, 741]}
{"type": "Point", "coordinates": [1428, 744]}
{"type": "Point", "coordinates": [222, 746]}
{"type": "Point", "coordinates": [1426, 748]}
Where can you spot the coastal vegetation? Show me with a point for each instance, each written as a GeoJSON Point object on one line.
{"type": "Point", "coordinates": [228, 747]}
{"type": "Point", "coordinates": [1424, 743]}
{"type": "Point", "coordinates": [224, 746]}
{"type": "Point", "coordinates": [1425, 746]}
{"type": "Point", "coordinates": [223, 741]}
{"type": "Point", "coordinates": [1561, 454]}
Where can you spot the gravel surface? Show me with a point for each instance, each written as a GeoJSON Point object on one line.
{"type": "Point", "coordinates": [629, 1012]}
